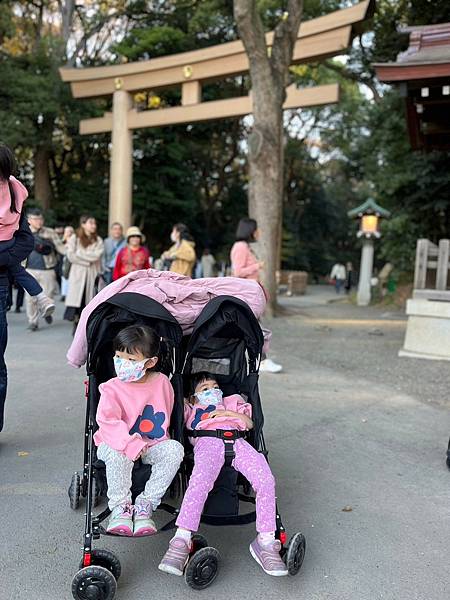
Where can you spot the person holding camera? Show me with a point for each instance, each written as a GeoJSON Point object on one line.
{"type": "Point", "coordinates": [41, 264]}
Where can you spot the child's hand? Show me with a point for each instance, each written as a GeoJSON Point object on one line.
{"type": "Point", "coordinates": [217, 413]}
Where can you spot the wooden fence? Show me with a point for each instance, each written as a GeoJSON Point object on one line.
{"type": "Point", "coordinates": [431, 271]}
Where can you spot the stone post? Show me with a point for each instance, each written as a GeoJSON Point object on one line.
{"type": "Point", "coordinates": [121, 173]}
{"type": "Point", "coordinates": [365, 273]}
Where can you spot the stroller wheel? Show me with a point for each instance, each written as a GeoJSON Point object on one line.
{"type": "Point", "coordinates": [94, 583]}
{"type": "Point", "coordinates": [74, 491]}
{"type": "Point", "coordinates": [198, 542]}
{"type": "Point", "coordinates": [295, 553]}
{"type": "Point", "coordinates": [202, 568]}
{"type": "Point", "coordinates": [100, 557]}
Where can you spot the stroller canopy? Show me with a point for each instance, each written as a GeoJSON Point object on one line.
{"type": "Point", "coordinates": [225, 335]}
{"type": "Point", "coordinates": [118, 312]}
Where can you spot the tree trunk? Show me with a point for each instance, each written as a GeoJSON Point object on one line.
{"type": "Point", "coordinates": [266, 173]}
{"type": "Point", "coordinates": [269, 73]}
{"type": "Point", "coordinates": [43, 192]}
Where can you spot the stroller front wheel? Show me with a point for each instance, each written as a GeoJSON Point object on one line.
{"type": "Point", "coordinates": [100, 557]}
{"type": "Point", "coordinates": [94, 583]}
{"type": "Point", "coordinates": [202, 568]}
{"type": "Point", "coordinates": [74, 491]}
{"type": "Point", "coordinates": [295, 553]}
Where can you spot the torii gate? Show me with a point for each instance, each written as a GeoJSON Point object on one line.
{"type": "Point", "coordinates": [317, 39]}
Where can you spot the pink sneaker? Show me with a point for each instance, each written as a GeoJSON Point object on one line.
{"type": "Point", "coordinates": [176, 557]}
{"type": "Point", "coordinates": [268, 557]}
{"type": "Point", "coordinates": [121, 520]}
{"type": "Point", "coordinates": [143, 523]}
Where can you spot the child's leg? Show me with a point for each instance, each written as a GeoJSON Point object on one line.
{"type": "Point", "coordinates": [24, 279]}
{"type": "Point", "coordinates": [165, 459]}
{"type": "Point", "coordinates": [118, 475]}
{"type": "Point", "coordinates": [265, 549]}
{"type": "Point", "coordinates": [255, 468]}
{"type": "Point", "coordinates": [208, 461]}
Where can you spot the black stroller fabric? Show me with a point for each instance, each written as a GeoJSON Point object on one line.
{"type": "Point", "coordinates": [227, 341]}
{"type": "Point", "coordinates": [103, 325]}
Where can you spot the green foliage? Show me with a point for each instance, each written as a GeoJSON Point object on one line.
{"type": "Point", "coordinates": [335, 156]}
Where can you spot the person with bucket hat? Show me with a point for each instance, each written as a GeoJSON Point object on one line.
{"type": "Point", "coordinates": [134, 256]}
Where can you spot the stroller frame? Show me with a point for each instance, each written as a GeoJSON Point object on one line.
{"type": "Point", "coordinates": [100, 568]}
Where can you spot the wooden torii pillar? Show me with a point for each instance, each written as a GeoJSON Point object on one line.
{"type": "Point", "coordinates": [317, 39]}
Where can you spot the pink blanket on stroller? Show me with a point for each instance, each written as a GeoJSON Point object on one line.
{"type": "Point", "coordinates": [182, 296]}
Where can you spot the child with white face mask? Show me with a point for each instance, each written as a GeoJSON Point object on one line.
{"type": "Point", "coordinates": [133, 415]}
{"type": "Point", "coordinates": [207, 409]}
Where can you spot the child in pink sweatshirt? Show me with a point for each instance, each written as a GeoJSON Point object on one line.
{"type": "Point", "coordinates": [208, 410]}
{"type": "Point", "coordinates": [133, 416]}
{"type": "Point", "coordinates": [12, 197]}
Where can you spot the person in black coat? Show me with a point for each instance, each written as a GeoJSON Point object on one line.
{"type": "Point", "coordinates": [23, 245]}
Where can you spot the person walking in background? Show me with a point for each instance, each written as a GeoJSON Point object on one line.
{"type": "Point", "coordinates": [12, 197]}
{"type": "Point", "coordinates": [84, 251]}
{"type": "Point", "coordinates": [182, 254]}
{"type": "Point", "coordinates": [134, 256]}
{"type": "Point", "coordinates": [208, 263]}
{"type": "Point", "coordinates": [338, 275]}
{"type": "Point", "coordinates": [15, 254]}
{"type": "Point", "coordinates": [41, 265]}
{"type": "Point", "coordinates": [65, 268]}
{"type": "Point", "coordinates": [350, 281]}
{"type": "Point", "coordinates": [113, 244]}
{"type": "Point", "coordinates": [245, 264]}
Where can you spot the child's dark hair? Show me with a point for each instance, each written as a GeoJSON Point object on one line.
{"type": "Point", "coordinates": [200, 377]}
{"type": "Point", "coordinates": [139, 338]}
{"type": "Point", "coordinates": [8, 168]}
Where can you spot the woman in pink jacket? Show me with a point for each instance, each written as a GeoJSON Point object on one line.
{"type": "Point", "coordinates": [245, 264]}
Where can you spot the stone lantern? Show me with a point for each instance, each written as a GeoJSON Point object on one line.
{"type": "Point", "coordinates": [369, 214]}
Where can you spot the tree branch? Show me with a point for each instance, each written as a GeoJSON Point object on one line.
{"type": "Point", "coordinates": [352, 76]}
{"type": "Point", "coordinates": [285, 36]}
{"type": "Point", "coordinates": [251, 32]}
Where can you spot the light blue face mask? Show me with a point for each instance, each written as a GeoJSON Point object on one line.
{"type": "Point", "coordinates": [212, 396]}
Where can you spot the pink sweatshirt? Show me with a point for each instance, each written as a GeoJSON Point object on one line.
{"type": "Point", "coordinates": [196, 415]}
{"type": "Point", "coordinates": [134, 416]}
{"type": "Point", "coordinates": [243, 262]}
{"type": "Point", "coordinates": [9, 221]}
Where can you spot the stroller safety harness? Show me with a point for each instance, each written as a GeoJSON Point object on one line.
{"type": "Point", "coordinates": [227, 435]}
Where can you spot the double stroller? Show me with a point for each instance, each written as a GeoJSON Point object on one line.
{"type": "Point", "coordinates": [226, 341]}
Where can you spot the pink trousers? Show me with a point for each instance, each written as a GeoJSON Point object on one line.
{"type": "Point", "coordinates": [209, 457]}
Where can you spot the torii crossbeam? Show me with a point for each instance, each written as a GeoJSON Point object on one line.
{"type": "Point", "coordinates": [317, 39]}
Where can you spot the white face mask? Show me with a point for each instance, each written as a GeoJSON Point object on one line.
{"type": "Point", "coordinates": [129, 370]}
{"type": "Point", "coordinates": [174, 237]}
{"type": "Point", "coordinates": [212, 396]}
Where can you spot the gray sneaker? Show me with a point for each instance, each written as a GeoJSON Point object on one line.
{"type": "Point", "coordinates": [121, 520]}
{"type": "Point", "coordinates": [268, 557]}
{"type": "Point", "coordinates": [46, 306]}
{"type": "Point", "coordinates": [176, 557]}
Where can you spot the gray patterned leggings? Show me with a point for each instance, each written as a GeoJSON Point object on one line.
{"type": "Point", "coordinates": [165, 458]}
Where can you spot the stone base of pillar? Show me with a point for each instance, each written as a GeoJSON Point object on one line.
{"type": "Point", "coordinates": [428, 330]}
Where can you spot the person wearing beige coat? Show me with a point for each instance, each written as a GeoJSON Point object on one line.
{"type": "Point", "coordinates": [84, 252]}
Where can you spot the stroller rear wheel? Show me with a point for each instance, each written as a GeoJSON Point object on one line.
{"type": "Point", "coordinates": [295, 553]}
{"type": "Point", "coordinates": [100, 557]}
{"type": "Point", "coordinates": [94, 583]}
{"type": "Point", "coordinates": [74, 491]}
{"type": "Point", "coordinates": [202, 568]}
{"type": "Point", "coordinates": [198, 542]}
